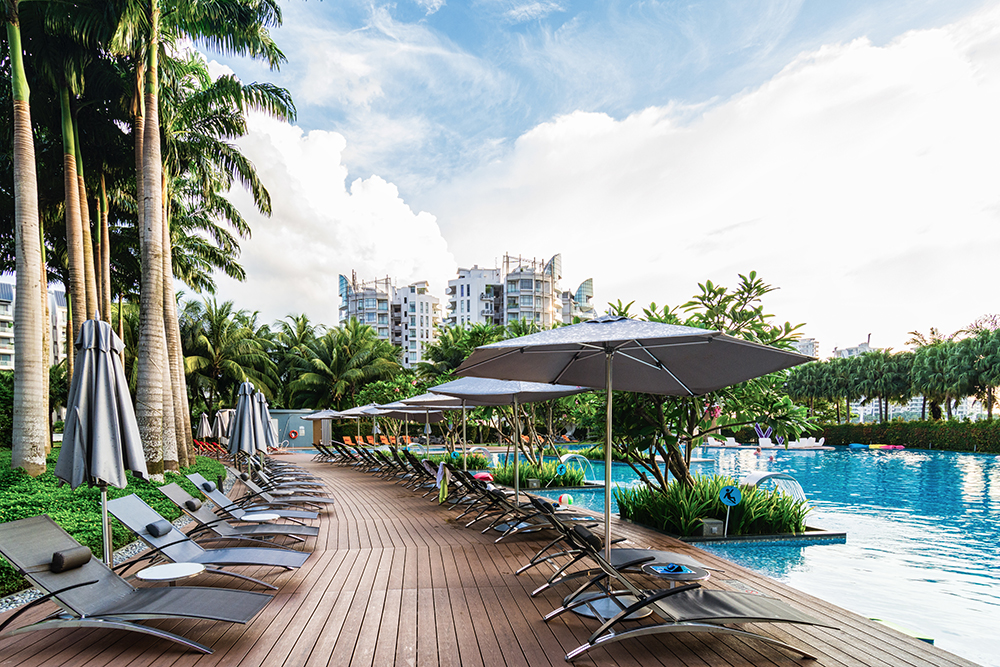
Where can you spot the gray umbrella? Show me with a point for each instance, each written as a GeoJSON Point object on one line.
{"type": "Point", "coordinates": [220, 427]}
{"type": "Point", "coordinates": [264, 432]}
{"type": "Point", "coordinates": [100, 437]}
{"type": "Point", "coordinates": [243, 426]}
{"type": "Point", "coordinates": [647, 357]}
{"type": "Point", "coordinates": [204, 427]}
{"type": "Point", "coordinates": [486, 391]}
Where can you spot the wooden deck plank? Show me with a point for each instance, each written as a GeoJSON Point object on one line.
{"type": "Point", "coordinates": [396, 579]}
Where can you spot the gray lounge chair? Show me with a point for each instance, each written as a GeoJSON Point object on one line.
{"type": "Point", "coordinates": [281, 497]}
{"type": "Point", "coordinates": [683, 609]}
{"type": "Point", "coordinates": [93, 596]}
{"type": "Point", "coordinates": [236, 509]}
{"type": "Point", "coordinates": [168, 542]}
{"type": "Point", "coordinates": [208, 521]}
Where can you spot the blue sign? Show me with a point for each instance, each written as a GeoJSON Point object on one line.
{"type": "Point", "coordinates": [561, 470]}
{"type": "Point", "coordinates": [730, 495]}
{"type": "Point", "coordinates": [455, 455]}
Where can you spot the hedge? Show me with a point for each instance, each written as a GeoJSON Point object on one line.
{"type": "Point", "coordinates": [79, 511]}
{"type": "Point", "coordinates": [952, 435]}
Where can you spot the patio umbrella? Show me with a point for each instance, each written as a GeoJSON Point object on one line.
{"type": "Point", "coordinates": [442, 402]}
{"type": "Point", "coordinates": [101, 437]}
{"type": "Point", "coordinates": [614, 352]}
{"type": "Point", "coordinates": [486, 391]}
{"type": "Point", "coordinates": [204, 427]}
{"type": "Point", "coordinates": [243, 427]}
{"type": "Point", "coordinates": [220, 427]}
{"type": "Point", "coordinates": [266, 435]}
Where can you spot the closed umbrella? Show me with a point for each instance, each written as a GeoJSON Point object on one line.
{"type": "Point", "coordinates": [486, 391]}
{"type": "Point", "coordinates": [267, 436]}
{"type": "Point", "coordinates": [220, 427]}
{"type": "Point", "coordinates": [614, 352]}
{"type": "Point", "coordinates": [100, 437]}
{"type": "Point", "coordinates": [243, 427]}
{"type": "Point", "coordinates": [204, 427]}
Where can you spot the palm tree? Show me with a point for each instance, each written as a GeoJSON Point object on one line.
{"type": "Point", "coordinates": [224, 352]}
{"type": "Point", "coordinates": [338, 363]}
{"type": "Point", "coordinates": [444, 355]}
{"type": "Point", "coordinates": [30, 421]}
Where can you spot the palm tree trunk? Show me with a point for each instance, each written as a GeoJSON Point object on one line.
{"type": "Point", "coordinates": [28, 439]}
{"type": "Point", "coordinates": [152, 341]}
{"type": "Point", "coordinates": [182, 411]}
{"type": "Point", "coordinates": [46, 340]}
{"type": "Point", "coordinates": [105, 258]}
{"type": "Point", "coordinates": [172, 334]}
{"type": "Point", "coordinates": [70, 343]}
{"type": "Point", "coordinates": [89, 273]}
{"type": "Point", "coordinates": [74, 233]}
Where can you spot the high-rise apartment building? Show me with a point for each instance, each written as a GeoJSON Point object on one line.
{"type": "Point", "coordinates": [6, 327]}
{"type": "Point", "coordinates": [404, 316]}
{"type": "Point", "coordinates": [807, 346]}
{"type": "Point", "coordinates": [476, 297]}
{"type": "Point", "coordinates": [521, 289]}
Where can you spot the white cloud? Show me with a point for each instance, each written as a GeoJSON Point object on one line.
{"type": "Point", "coordinates": [321, 227]}
{"type": "Point", "coordinates": [431, 6]}
{"type": "Point", "coordinates": [862, 180]}
{"type": "Point", "coordinates": [531, 11]}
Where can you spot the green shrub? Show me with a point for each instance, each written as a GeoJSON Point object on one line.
{"type": "Point", "coordinates": [679, 511]}
{"type": "Point", "coordinates": [6, 408]}
{"type": "Point", "coordinates": [79, 512]}
{"type": "Point", "coordinates": [952, 435]}
{"type": "Point", "coordinates": [472, 462]}
{"type": "Point", "coordinates": [546, 473]}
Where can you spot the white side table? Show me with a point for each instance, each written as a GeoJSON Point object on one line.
{"type": "Point", "coordinates": [170, 572]}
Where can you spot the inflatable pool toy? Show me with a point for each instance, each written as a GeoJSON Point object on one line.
{"type": "Point", "coordinates": [485, 476]}
{"type": "Point", "coordinates": [858, 445]}
{"type": "Point", "coordinates": [565, 499]}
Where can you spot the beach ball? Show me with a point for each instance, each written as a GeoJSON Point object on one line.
{"type": "Point", "coordinates": [565, 499]}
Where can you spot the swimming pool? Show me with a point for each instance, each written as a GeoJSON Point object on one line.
{"type": "Point", "coordinates": [923, 537]}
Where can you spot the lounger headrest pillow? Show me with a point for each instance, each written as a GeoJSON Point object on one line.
{"type": "Point", "coordinates": [192, 504]}
{"type": "Point", "coordinates": [159, 528]}
{"type": "Point", "coordinates": [244, 476]}
{"type": "Point", "coordinates": [593, 540]}
{"type": "Point", "coordinates": [70, 559]}
{"type": "Point", "coordinates": [208, 487]}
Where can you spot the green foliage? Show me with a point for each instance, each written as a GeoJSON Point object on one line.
{"type": "Point", "coordinates": [544, 471]}
{"type": "Point", "coordinates": [596, 453]}
{"type": "Point", "coordinates": [952, 435]}
{"type": "Point", "coordinates": [678, 509]}
{"type": "Point", "coordinates": [79, 511]}
{"type": "Point", "coordinates": [472, 462]}
{"type": "Point", "coordinates": [6, 408]}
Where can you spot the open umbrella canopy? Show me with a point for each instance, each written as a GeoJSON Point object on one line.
{"type": "Point", "coordinates": [243, 427]}
{"type": "Point", "coordinates": [204, 427]}
{"type": "Point", "coordinates": [649, 357]}
{"type": "Point", "coordinates": [357, 412]}
{"type": "Point", "coordinates": [324, 414]}
{"type": "Point", "coordinates": [100, 437]}
{"type": "Point", "coordinates": [433, 401]}
{"type": "Point", "coordinates": [486, 391]}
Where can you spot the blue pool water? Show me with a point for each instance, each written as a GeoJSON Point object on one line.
{"type": "Point", "coordinates": [923, 537]}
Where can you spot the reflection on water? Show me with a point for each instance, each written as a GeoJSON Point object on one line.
{"type": "Point", "coordinates": [923, 545]}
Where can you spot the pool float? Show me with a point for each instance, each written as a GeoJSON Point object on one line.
{"type": "Point", "coordinates": [858, 445]}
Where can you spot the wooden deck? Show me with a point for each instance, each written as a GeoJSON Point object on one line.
{"type": "Point", "coordinates": [394, 580]}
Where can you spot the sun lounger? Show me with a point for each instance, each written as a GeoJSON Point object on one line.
{"type": "Point", "coordinates": [683, 609]}
{"type": "Point", "coordinates": [236, 509]}
{"type": "Point", "coordinates": [166, 541]}
{"type": "Point", "coordinates": [92, 596]}
{"type": "Point", "coordinates": [208, 521]}
{"type": "Point", "coordinates": [281, 498]}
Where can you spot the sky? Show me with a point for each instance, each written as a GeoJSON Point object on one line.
{"type": "Point", "coordinates": [843, 151]}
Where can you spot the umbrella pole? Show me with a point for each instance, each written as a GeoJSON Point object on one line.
{"type": "Point", "coordinates": [517, 456]}
{"type": "Point", "coordinates": [607, 457]}
{"type": "Point", "coordinates": [464, 442]}
{"type": "Point", "coordinates": [105, 524]}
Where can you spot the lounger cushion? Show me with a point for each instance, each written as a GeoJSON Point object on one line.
{"type": "Point", "coordinates": [209, 487]}
{"type": "Point", "coordinates": [192, 504]}
{"type": "Point", "coordinates": [244, 476]}
{"type": "Point", "coordinates": [593, 540]}
{"type": "Point", "coordinates": [159, 528]}
{"type": "Point", "coordinates": [70, 559]}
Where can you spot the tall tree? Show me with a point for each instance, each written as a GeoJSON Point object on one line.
{"type": "Point", "coordinates": [30, 402]}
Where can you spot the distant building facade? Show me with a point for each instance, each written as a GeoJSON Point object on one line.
{"type": "Point", "coordinates": [847, 352]}
{"type": "Point", "coordinates": [521, 289]}
{"type": "Point", "coordinates": [405, 316]}
{"type": "Point", "coordinates": [57, 326]}
{"type": "Point", "coordinates": [807, 346]}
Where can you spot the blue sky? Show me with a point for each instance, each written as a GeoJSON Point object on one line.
{"type": "Point", "coordinates": [841, 149]}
